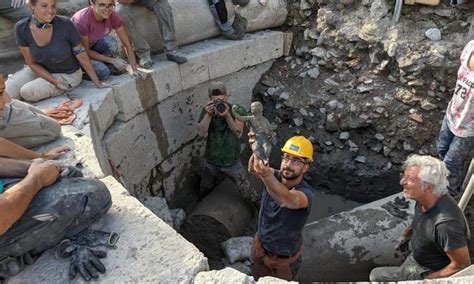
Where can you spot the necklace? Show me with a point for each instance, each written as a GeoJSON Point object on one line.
{"type": "Point", "coordinates": [40, 25]}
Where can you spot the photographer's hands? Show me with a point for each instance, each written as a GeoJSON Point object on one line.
{"type": "Point", "coordinates": [210, 108]}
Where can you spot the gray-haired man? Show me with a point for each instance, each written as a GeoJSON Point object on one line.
{"type": "Point", "coordinates": [438, 233]}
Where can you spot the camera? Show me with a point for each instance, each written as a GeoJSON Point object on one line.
{"type": "Point", "coordinates": [219, 105]}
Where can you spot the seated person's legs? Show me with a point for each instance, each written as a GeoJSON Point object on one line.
{"type": "Point", "coordinates": [232, 31]}
{"type": "Point", "coordinates": [164, 14]}
{"type": "Point", "coordinates": [28, 126]}
{"type": "Point", "coordinates": [108, 46]}
{"type": "Point", "coordinates": [409, 270]}
{"type": "Point", "coordinates": [13, 14]}
{"type": "Point", "coordinates": [17, 80]}
{"type": "Point", "coordinates": [142, 48]}
{"type": "Point", "coordinates": [56, 212]}
{"type": "Point", "coordinates": [219, 12]}
{"type": "Point", "coordinates": [40, 89]}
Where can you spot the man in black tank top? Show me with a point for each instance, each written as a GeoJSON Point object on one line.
{"type": "Point", "coordinates": [438, 234]}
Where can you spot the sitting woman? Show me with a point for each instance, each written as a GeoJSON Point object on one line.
{"type": "Point", "coordinates": [52, 49]}
{"type": "Point", "coordinates": [95, 24]}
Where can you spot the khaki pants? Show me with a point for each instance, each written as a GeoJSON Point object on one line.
{"type": "Point", "coordinates": [27, 125]}
{"type": "Point", "coordinates": [409, 270]}
{"type": "Point", "coordinates": [267, 264]}
{"type": "Point", "coordinates": [164, 15]}
{"type": "Point", "coordinates": [27, 85]}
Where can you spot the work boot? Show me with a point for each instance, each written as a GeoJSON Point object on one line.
{"type": "Point", "coordinates": [239, 26]}
{"type": "Point", "coordinates": [145, 62]}
{"type": "Point", "coordinates": [173, 56]}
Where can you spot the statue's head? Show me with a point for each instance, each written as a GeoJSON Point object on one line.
{"type": "Point", "coordinates": [256, 108]}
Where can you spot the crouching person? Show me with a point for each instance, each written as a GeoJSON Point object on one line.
{"type": "Point", "coordinates": [95, 24]}
{"type": "Point", "coordinates": [438, 234]}
{"type": "Point", "coordinates": [38, 211]}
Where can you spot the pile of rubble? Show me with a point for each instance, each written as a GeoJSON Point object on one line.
{"type": "Point", "coordinates": [367, 91]}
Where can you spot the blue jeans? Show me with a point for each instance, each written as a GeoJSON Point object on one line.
{"type": "Point", "coordinates": [454, 151]}
{"type": "Point", "coordinates": [108, 46]}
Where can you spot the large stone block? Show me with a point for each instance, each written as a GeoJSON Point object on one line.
{"type": "Point", "coordinates": [194, 22]}
{"type": "Point", "coordinates": [133, 147]}
{"type": "Point", "coordinates": [192, 18]}
{"type": "Point", "coordinates": [196, 70]}
{"type": "Point", "coordinates": [356, 241]}
{"type": "Point", "coordinates": [135, 96]}
{"type": "Point", "coordinates": [180, 174]}
{"type": "Point", "coordinates": [100, 101]}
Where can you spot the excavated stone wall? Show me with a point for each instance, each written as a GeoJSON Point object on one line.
{"type": "Point", "coordinates": [149, 129]}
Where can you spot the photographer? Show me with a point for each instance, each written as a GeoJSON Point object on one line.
{"type": "Point", "coordinates": [222, 157]}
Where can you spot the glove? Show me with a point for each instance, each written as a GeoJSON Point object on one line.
{"type": "Point", "coordinates": [92, 238]}
{"type": "Point", "coordinates": [86, 261]}
{"type": "Point", "coordinates": [402, 244]}
{"type": "Point", "coordinates": [139, 75]}
{"type": "Point", "coordinates": [120, 64]}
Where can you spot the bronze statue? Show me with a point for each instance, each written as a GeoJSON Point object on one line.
{"type": "Point", "coordinates": [261, 127]}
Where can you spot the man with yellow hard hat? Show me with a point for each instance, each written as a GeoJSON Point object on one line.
{"type": "Point", "coordinates": [286, 204]}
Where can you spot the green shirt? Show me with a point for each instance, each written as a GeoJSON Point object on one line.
{"type": "Point", "coordinates": [223, 146]}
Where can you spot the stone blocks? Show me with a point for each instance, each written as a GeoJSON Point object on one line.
{"type": "Point", "coordinates": [133, 147]}
{"type": "Point", "coordinates": [148, 250]}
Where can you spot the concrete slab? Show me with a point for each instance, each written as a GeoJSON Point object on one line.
{"type": "Point", "coordinates": [133, 147]}
{"type": "Point", "coordinates": [352, 241]}
{"type": "Point", "coordinates": [207, 60]}
{"type": "Point", "coordinates": [194, 22]}
{"type": "Point", "coordinates": [149, 250]}
{"type": "Point", "coordinates": [101, 101]}
{"type": "Point", "coordinates": [468, 271]}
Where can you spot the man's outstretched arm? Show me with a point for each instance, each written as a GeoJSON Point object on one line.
{"type": "Point", "coordinates": [15, 200]}
{"type": "Point", "coordinates": [459, 260]}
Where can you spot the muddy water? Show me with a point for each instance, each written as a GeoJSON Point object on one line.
{"type": "Point", "coordinates": [325, 205]}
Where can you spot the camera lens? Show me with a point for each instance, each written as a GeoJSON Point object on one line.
{"type": "Point", "coordinates": [220, 107]}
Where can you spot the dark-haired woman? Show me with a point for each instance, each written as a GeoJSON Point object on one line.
{"type": "Point", "coordinates": [52, 49]}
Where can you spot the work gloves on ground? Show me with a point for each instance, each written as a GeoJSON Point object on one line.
{"type": "Point", "coordinates": [86, 261]}
{"type": "Point", "coordinates": [84, 254]}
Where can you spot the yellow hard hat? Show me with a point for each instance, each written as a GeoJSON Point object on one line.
{"type": "Point", "coordinates": [299, 146]}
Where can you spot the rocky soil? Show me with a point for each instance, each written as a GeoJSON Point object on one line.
{"type": "Point", "coordinates": [367, 91]}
